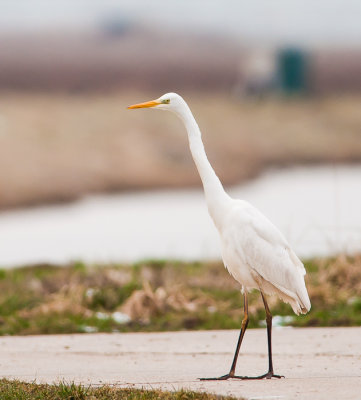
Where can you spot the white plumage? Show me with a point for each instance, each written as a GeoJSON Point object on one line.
{"type": "Point", "coordinates": [254, 251]}
{"type": "Point", "coordinates": [258, 256]}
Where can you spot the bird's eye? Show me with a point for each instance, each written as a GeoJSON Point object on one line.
{"type": "Point", "coordinates": [166, 101]}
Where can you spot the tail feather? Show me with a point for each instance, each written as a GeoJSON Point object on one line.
{"type": "Point", "coordinates": [302, 294]}
{"type": "Point", "coordinates": [299, 301]}
{"type": "Point", "coordinates": [304, 301]}
{"type": "Point", "coordinates": [297, 297]}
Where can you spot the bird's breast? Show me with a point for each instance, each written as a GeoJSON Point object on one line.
{"type": "Point", "coordinates": [237, 266]}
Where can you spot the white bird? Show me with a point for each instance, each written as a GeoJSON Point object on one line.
{"type": "Point", "coordinates": [254, 251]}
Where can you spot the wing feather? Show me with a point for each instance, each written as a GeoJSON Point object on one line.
{"type": "Point", "coordinates": [263, 248]}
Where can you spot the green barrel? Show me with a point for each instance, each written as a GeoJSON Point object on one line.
{"type": "Point", "coordinates": [292, 70]}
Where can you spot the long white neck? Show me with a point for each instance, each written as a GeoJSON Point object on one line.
{"type": "Point", "coordinates": [217, 199]}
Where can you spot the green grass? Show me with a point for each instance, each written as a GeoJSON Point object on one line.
{"type": "Point", "coordinates": [163, 296]}
{"type": "Point", "coordinates": [10, 390]}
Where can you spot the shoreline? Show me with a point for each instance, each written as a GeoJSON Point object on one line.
{"type": "Point", "coordinates": [57, 147]}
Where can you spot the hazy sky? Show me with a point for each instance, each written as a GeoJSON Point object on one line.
{"type": "Point", "coordinates": [307, 21]}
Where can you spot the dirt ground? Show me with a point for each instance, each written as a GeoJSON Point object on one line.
{"type": "Point", "coordinates": [318, 363]}
{"type": "Point", "coordinates": [56, 147]}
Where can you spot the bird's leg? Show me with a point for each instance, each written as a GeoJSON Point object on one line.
{"type": "Point", "coordinates": [270, 373]}
{"type": "Point", "coordinates": [231, 373]}
{"type": "Point", "coordinates": [269, 334]}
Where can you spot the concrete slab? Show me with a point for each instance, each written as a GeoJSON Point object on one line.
{"type": "Point", "coordinates": [319, 363]}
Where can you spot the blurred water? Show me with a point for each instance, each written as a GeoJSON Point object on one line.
{"type": "Point", "coordinates": [317, 208]}
{"type": "Point", "coordinates": [284, 22]}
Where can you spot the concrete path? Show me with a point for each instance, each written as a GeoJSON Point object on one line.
{"type": "Point", "coordinates": [319, 363]}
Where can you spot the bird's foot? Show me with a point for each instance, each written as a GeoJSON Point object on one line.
{"type": "Point", "coordinates": [268, 375]}
{"type": "Point", "coordinates": [220, 378]}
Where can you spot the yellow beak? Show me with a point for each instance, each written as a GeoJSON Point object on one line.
{"type": "Point", "coordinates": [151, 103]}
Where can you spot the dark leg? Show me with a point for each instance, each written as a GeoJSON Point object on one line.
{"type": "Point", "coordinates": [270, 373]}
{"type": "Point", "coordinates": [241, 334]}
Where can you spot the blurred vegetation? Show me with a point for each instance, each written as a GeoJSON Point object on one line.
{"type": "Point", "coordinates": [162, 296]}
{"type": "Point", "coordinates": [57, 147]}
{"type": "Point", "coordinates": [10, 390]}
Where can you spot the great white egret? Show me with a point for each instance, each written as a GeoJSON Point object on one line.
{"type": "Point", "coordinates": [254, 251]}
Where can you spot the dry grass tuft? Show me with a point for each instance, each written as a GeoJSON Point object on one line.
{"type": "Point", "coordinates": [164, 295]}
{"type": "Point", "coordinates": [13, 389]}
{"type": "Point", "coordinates": [338, 280]}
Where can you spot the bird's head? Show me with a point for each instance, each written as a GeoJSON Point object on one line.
{"type": "Point", "coordinates": [169, 101]}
